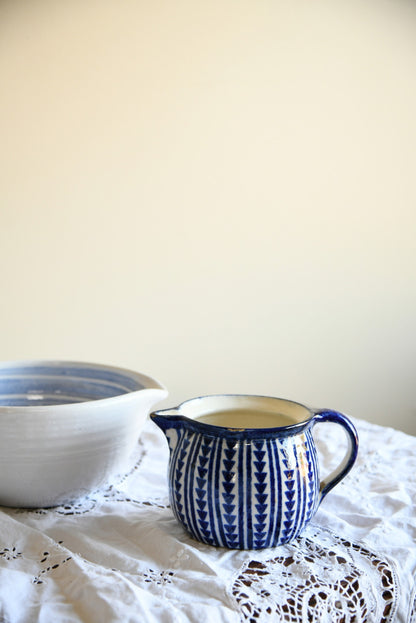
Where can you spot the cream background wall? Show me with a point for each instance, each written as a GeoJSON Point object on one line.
{"type": "Point", "coordinates": [220, 194]}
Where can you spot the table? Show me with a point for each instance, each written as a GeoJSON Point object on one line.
{"type": "Point", "coordinates": [119, 555]}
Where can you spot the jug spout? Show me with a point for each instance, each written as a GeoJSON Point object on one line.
{"type": "Point", "coordinates": [168, 421]}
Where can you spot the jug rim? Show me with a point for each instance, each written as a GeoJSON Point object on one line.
{"type": "Point", "coordinates": [178, 419]}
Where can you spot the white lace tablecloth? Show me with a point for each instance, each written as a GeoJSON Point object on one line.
{"type": "Point", "coordinates": [120, 556]}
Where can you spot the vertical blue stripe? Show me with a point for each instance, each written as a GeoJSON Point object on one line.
{"type": "Point", "coordinates": [241, 514]}
{"type": "Point", "coordinates": [272, 502]}
{"type": "Point", "coordinates": [187, 493]}
{"type": "Point", "coordinates": [172, 474]}
{"type": "Point", "coordinates": [216, 499]}
{"type": "Point", "coordinates": [277, 451]}
{"type": "Point", "coordinates": [211, 488]}
{"type": "Point", "coordinates": [249, 488]}
{"type": "Point", "coordinates": [295, 489]}
{"type": "Point", "coordinates": [305, 482]}
{"type": "Point", "coordinates": [191, 473]}
{"type": "Point", "coordinates": [314, 466]}
{"type": "Point", "coordinates": [298, 496]}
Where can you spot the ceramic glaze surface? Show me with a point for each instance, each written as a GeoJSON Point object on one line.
{"type": "Point", "coordinates": [263, 492]}
{"type": "Point", "coordinates": [247, 489]}
{"type": "Point", "coordinates": [66, 428]}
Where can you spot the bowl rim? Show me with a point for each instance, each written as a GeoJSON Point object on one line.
{"type": "Point", "coordinates": [147, 383]}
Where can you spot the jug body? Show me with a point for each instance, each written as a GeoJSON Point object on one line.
{"type": "Point", "coordinates": [247, 488]}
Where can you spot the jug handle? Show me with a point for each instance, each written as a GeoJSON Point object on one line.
{"type": "Point", "coordinates": [327, 415]}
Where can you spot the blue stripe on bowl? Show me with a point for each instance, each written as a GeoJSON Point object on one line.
{"type": "Point", "coordinates": [40, 385]}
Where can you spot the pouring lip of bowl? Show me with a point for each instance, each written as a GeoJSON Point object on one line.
{"type": "Point", "coordinates": [177, 418]}
{"type": "Point", "coordinates": [141, 382]}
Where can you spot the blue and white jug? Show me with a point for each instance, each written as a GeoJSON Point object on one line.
{"type": "Point", "coordinates": [243, 470]}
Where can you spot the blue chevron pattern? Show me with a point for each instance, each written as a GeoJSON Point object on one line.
{"type": "Point", "coordinates": [254, 494]}
{"type": "Point", "coordinates": [201, 500]}
{"type": "Point", "coordinates": [261, 496]}
{"type": "Point", "coordinates": [229, 492]}
{"type": "Point", "coordinates": [289, 502]}
{"type": "Point", "coordinates": [178, 484]}
{"type": "Point", "coordinates": [311, 486]}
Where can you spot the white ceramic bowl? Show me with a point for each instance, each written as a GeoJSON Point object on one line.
{"type": "Point", "coordinates": [67, 428]}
